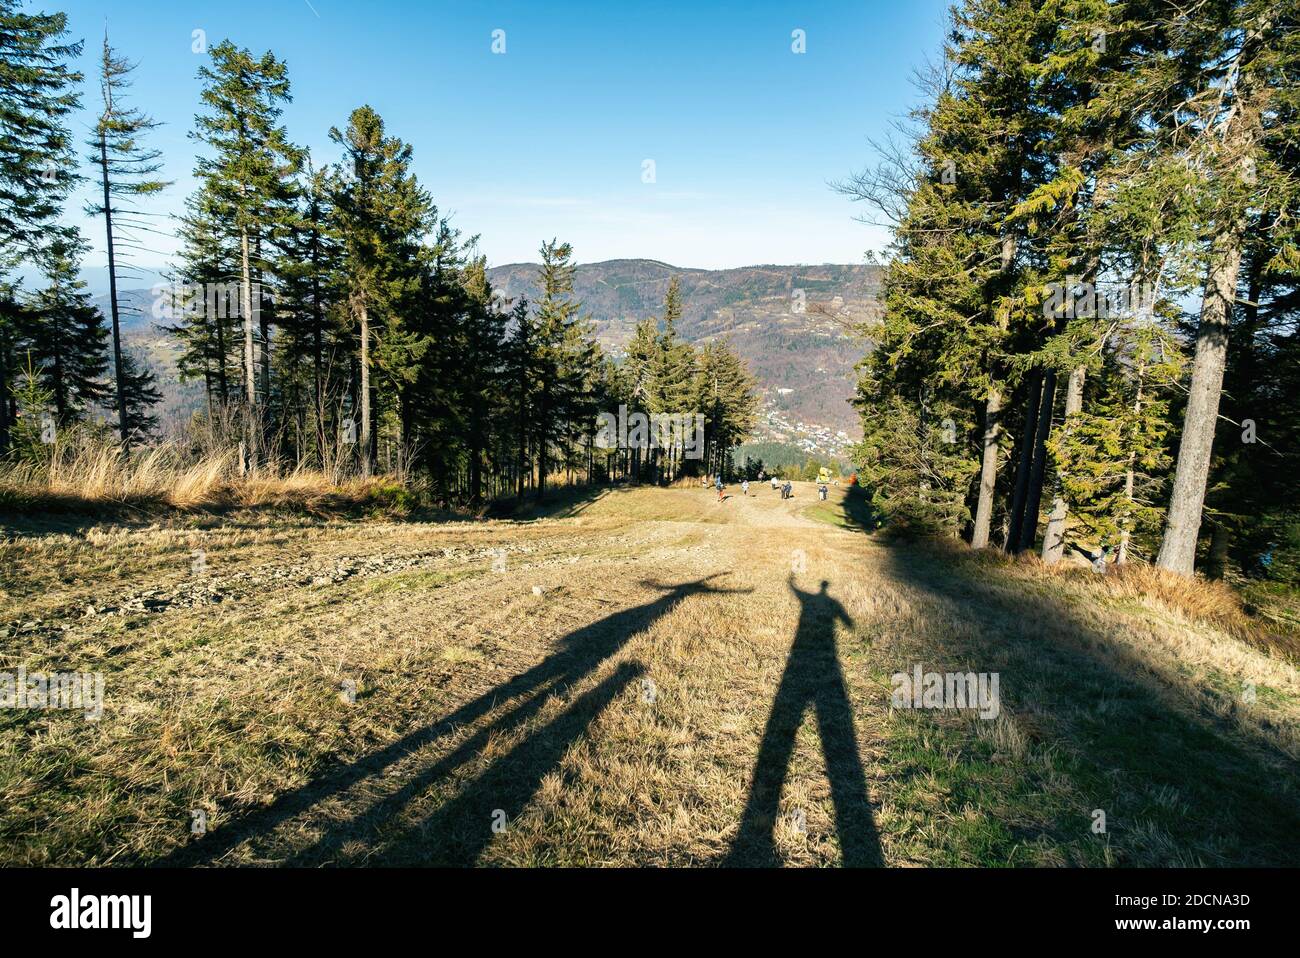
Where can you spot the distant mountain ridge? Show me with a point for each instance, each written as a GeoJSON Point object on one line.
{"type": "Point", "coordinates": [793, 325]}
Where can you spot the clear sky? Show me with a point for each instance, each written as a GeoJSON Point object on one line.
{"type": "Point", "coordinates": [551, 137]}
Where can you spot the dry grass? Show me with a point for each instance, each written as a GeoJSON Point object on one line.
{"type": "Point", "coordinates": [96, 476]}
{"type": "Point", "coordinates": [617, 715]}
{"type": "Point", "coordinates": [1195, 599]}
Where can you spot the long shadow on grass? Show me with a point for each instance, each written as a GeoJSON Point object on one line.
{"type": "Point", "coordinates": [580, 654]}
{"type": "Point", "coordinates": [1130, 739]}
{"type": "Point", "coordinates": [812, 679]}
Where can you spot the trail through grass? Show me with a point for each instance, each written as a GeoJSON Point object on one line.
{"type": "Point", "coordinates": [642, 677]}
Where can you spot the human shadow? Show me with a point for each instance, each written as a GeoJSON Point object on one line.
{"type": "Point", "coordinates": [580, 653]}
{"type": "Point", "coordinates": [812, 678]}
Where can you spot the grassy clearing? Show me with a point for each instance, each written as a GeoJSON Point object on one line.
{"type": "Point", "coordinates": [643, 677]}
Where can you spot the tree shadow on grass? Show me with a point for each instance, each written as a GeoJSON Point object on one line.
{"type": "Point", "coordinates": [581, 653]}
{"type": "Point", "coordinates": [853, 510]}
{"type": "Point", "coordinates": [1179, 782]}
{"type": "Point", "coordinates": [562, 502]}
{"type": "Point", "coordinates": [812, 679]}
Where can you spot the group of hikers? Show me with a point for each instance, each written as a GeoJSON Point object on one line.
{"type": "Point", "coordinates": [785, 488]}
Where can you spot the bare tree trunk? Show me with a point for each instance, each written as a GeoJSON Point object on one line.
{"type": "Point", "coordinates": [1126, 524]}
{"type": "Point", "coordinates": [318, 347]}
{"type": "Point", "coordinates": [250, 372]}
{"type": "Point", "coordinates": [365, 391]}
{"type": "Point", "coordinates": [1183, 523]}
{"type": "Point", "coordinates": [542, 452]}
{"type": "Point", "coordinates": [988, 469]}
{"type": "Point", "coordinates": [120, 386]}
{"type": "Point", "coordinates": [1126, 531]}
{"type": "Point", "coordinates": [1011, 541]}
{"type": "Point", "coordinates": [992, 430]}
{"type": "Point", "coordinates": [222, 384]}
{"type": "Point", "coordinates": [1054, 538]}
{"type": "Point", "coordinates": [246, 304]}
{"type": "Point", "coordinates": [4, 392]}
{"type": "Point", "coordinates": [1034, 491]}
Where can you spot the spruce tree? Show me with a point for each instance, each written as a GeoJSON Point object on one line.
{"type": "Point", "coordinates": [383, 213]}
{"type": "Point", "coordinates": [139, 396]}
{"type": "Point", "coordinates": [557, 371]}
{"type": "Point", "coordinates": [36, 158]}
{"type": "Point", "coordinates": [63, 333]}
{"type": "Point", "coordinates": [1247, 58]}
{"type": "Point", "coordinates": [126, 173]}
{"type": "Point", "coordinates": [248, 176]}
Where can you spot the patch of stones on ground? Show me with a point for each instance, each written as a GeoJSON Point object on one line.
{"type": "Point", "coordinates": [206, 588]}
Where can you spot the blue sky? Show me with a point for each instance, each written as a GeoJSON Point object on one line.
{"type": "Point", "coordinates": [551, 137]}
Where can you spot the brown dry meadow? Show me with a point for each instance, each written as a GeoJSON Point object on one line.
{"type": "Point", "coordinates": [640, 677]}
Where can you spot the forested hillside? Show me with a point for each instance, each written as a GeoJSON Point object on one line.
{"type": "Point", "coordinates": [793, 325]}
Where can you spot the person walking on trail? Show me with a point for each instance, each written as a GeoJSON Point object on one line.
{"type": "Point", "coordinates": [821, 492]}
{"type": "Point", "coordinates": [775, 484]}
{"type": "Point", "coordinates": [717, 484]}
{"type": "Point", "coordinates": [744, 487]}
{"type": "Point", "coordinates": [787, 491]}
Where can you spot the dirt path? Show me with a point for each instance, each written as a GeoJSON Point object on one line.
{"type": "Point", "coordinates": [650, 677]}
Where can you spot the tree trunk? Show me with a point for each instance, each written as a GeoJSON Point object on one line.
{"type": "Point", "coordinates": [476, 464]}
{"type": "Point", "coordinates": [1054, 538]}
{"type": "Point", "coordinates": [988, 469]}
{"type": "Point", "coordinates": [1183, 523]}
{"type": "Point", "coordinates": [1034, 491]}
{"type": "Point", "coordinates": [251, 444]}
{"type": "Point", "coordinates": [365, 391]}
{"type": "Point", "coordinates": [1217, 564]}
{"type": "Point", "coordinates": [992, 425]}
{"type": "Point", "coordinates": [222, 384]}
{"type": "Point", "coordinates": [60, 385]}
{"type": "Point", "coordinates": [544, 418]}
{"type": "Point", "coordinates": [1126, 523]}
{"type": "Point", "coordinates": [1025, 458]}
{"type": "Point", "coordinates": [1126, 531]}
{"type": "Point", "coordinates": [120, 386]}
{"type": "Point", "coordinates": [4, 392]}
{"type": "Point", "coordinates": [246, 305]}
{"type": "Point", "coordinates": [318, 347]}
{"type": "Point", "coordinates": [264, 329]}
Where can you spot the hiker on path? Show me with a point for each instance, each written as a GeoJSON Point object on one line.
{"type": "Point", "coordinates": [717, 483]}
{"type": "Point", "coordinates": [744, 487]}
{"type": "Point", "coordinates": [775, 484]}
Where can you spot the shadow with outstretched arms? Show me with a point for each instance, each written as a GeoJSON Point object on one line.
{"type": "Point", "coordinates": [579, 655]}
